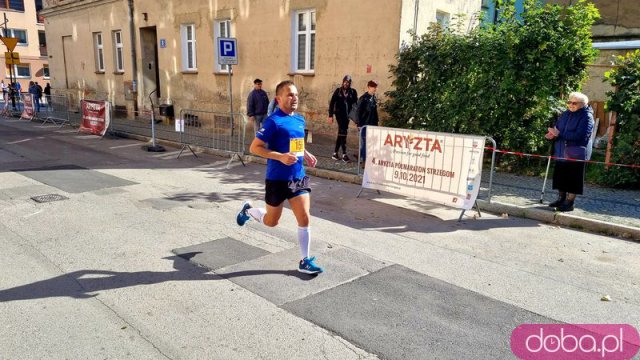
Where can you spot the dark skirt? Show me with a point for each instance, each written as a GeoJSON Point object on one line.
{"type": "Point", "coordinates": [568, 176]}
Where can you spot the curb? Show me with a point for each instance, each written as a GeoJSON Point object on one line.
{"type": "Point", "coordinates": [562, 219]}
{"type": "Point", "coordinates": [498, 208]}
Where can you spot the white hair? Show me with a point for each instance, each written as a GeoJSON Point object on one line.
{"type": "Point", "coordinates": [580, 96]}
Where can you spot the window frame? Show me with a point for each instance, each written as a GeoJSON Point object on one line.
{"type": "Point", "coordinates": [7, 5]}
{"type": "Point", "coordinates": [444, 16]}
{"type": "Point", "coordinates": [118, 51]}
{"type": "Point", "coordinates": [189, 44]}
{"type": "Point", "coordinates": [217, 33]}
{"type": "Point", "coordinates": [98, 51]}
{"type": "Point", "coordinates": [46, 76]}
{"type": "Point", "coordinates": [15, 71]}
{"type": "Point", "coordinates": [309, 33]}
{"type": "Point", "coordinates": [10, 32]}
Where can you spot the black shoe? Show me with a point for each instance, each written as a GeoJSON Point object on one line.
{"type": "Point", "coordinates": [335, 156]}
{"type": "Point", "coordinates": [566, 206]}
{"type": "Point", "coordinates": [558, 202]}
{"type": "Point", "coordinates": [345, 158]}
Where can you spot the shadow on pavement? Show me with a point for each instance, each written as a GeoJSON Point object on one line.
{"type": "Point", "coordinates": [85, 284]}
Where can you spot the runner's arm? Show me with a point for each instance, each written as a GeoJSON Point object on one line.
{"type": "Point", "coordinates": [258, 147]}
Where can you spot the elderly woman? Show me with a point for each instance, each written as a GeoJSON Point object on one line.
{"type": "Point", "coordinates": [571, 135]}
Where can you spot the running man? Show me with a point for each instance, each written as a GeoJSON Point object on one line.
{"type": "Point", "coordinates": [283, 131]}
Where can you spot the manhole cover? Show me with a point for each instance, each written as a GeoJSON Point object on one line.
{"type": "Point", "coordinates": [48, 198]}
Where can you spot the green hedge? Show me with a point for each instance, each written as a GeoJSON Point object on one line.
{"type": "Point", "coordinates": [505, 80]}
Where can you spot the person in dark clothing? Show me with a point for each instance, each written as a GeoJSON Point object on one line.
{"type": "Point", "coordinates": [257, 105]}
{"type": "Point", "coordinates": [340, 105]}
{"type": "Point", "coordinates": [47, 94]}
{"type": "Point", "coordinates": [572, 137]}
{"type": "Point", "coordinates": [367, 115]}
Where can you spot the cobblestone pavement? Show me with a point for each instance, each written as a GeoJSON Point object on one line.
{"type": "Point", "coordinates": [610, 205]}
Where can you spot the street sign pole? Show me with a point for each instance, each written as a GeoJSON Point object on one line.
{"type": "Point", "coordinates": [11, 89]}
{"type": "Point", "coordinates": [231, 99]}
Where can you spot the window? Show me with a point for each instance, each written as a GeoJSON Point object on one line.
{"type": "Point", "coordinates": [222, 29]}
{"type": "Point", "coordinates": [304, 40]}
{"type": "Point", "coordinates": [42, 39]}
{"type": "Point", "coordinates": [442, 18]}
{"type": "Point", "coordinates": [12, 4]}
{"type": "Point", "coordinates": [119, 57]}
{"type": "Point", "coordinates": [45, 71]}
{"type": "Point", "coordinates": [22, 71]}
{"type": "Point", "coordinates": [188, 33]}
{"type": "Point", "coordinates": [98, 47]}
{"type": "Point", "coordinates": [39, 18]}
{"type": "Point", "coordinates": [16, 33]}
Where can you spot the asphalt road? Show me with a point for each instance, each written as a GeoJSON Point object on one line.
{"type": "Point", "coordinates": [139, 257]}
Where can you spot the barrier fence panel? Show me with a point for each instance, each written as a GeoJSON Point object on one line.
{"type": "Point", "coordinates": [438, 167]}
{"type": "Point", "coordinates": [219, 130]}
{"type": "Point", "coordinates": [56, 110]}
{"type": "Point", "coordinates": [127, 121]}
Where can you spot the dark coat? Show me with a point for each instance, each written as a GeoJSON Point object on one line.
{"type": "Point", "coordinates": [368, 110]}
{"type": "Point", "coordinates": [575, 132]}
{"type": "Point", "coordinates": [341, 105]}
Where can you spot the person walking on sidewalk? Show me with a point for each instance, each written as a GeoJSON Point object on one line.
{"type": "Point", "coordinates": [571, 135]}
{"type": "Point", "coordinates": [257, 105]}
{"type": "Point", "coordinates": [283, 131]}
{"type": "Point", "coordinates": [343, 99]}
{"type": "Point", "coordinates": [367, 115]}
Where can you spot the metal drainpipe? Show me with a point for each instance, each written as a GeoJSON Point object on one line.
{"type": "Point", "coordinates": [134, 56]}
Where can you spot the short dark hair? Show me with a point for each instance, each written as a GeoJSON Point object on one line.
{"type": "Point", "coordinates": [257, 81]}
{"type": "Point", "coordinates": [282, 85]}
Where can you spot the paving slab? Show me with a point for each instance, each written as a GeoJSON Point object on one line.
{"type": "Point", "coordinates": [219, 253]}
{"type": "Point", "coordinates": [275, 277]}
{"type": "Point", "coordinates": [398, 313]}
{"type": "Point", "coordinates": [73, 178]}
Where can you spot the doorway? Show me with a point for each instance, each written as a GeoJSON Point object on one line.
{"type": "Point", "coordinates": [150, 72]}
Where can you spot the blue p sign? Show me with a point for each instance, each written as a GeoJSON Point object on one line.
{"type": "Point", "coordinates": [227, 53]}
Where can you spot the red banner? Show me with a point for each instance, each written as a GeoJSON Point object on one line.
{"type": "Point", "coordinates": [27, 111]}
{"type": "Point", "coordinates": [95, 117]}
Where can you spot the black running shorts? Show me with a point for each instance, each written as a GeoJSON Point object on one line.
{"type": "Point", "coordinates": [277, 191]}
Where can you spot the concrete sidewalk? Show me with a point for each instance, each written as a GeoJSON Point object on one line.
{"type": "Point", "coordinates": [142, 259]}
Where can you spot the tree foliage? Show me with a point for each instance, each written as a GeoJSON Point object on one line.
{"type": "Point", "coordinates": [625, 101]}
{"type": "Point", "coordinates": [504, 80]}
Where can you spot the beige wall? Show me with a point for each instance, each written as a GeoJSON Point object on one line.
{"type": "Point", "coordinates": [29, 54]}
{"type": "Point", "coordinates": [466, 10]}
{"type": "Point", "coordinates": [352, 37]}
{"type": "Point", "coordinates": [618, 19]}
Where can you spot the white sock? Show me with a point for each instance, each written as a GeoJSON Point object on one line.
{"type": "Point", "coordinates": [304, 239]}
{"type": "Point", "coordinates": [257, 213]}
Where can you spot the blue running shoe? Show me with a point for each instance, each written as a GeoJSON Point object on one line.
{"type": "Point", "coordinates": [242, 216]}
{"type": "Point", "coordinates": [308, 266]}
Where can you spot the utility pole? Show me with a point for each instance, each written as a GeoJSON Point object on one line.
{"type": "Point", "coordinates": [11, 89]}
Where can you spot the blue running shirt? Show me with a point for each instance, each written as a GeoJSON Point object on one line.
{"type": "Point", "coordinates": [284, 133]}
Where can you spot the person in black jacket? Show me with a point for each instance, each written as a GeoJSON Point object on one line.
{"type": "Point", "coordinates": [571, 135]}
{"type": "Point", "coordinates": [367, 115]}
{"type": "Point", "coordinates": [340, 105]}
{"type": "Point", "coordinates": [257, 105]}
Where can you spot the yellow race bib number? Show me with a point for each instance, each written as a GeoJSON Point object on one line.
{"type": "Point", "coordinates": [296, 146]}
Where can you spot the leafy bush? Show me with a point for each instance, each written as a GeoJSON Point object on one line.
{"type": "Point", "coordinates": [505, 80]}
{"type": "Point", "coordinates": [625, 101]}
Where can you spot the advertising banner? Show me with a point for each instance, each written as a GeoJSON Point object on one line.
{"type": "Point", "coordinates": [96, 116]}
{"type": "Point", "coordinates": [437, 167]}
{"type": "Point", "coordinates": [27, 102]}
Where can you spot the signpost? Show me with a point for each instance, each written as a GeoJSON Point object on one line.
{"type": "Point", "coordinates": [10, 43]}
{"type": "Point", "coordinates": [228, 55]}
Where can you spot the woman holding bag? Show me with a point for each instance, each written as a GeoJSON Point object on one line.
{"type": "Point", "coordinates": [571, 135]}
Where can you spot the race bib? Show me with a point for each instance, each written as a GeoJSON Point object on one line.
{"type": "Point", "coordinates": [296, 146]}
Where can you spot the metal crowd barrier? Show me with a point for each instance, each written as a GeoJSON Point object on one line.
{"type": "Point", "coordinates": [219, 130]}
{"type": "Point", "coordinates": [56, 110]}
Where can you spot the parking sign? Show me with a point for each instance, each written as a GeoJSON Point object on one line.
{"type": "Point", "coordinates": [227, 51]}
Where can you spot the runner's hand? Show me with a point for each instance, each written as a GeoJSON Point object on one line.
{"type": "Point", "coordinates": [310, 159]}
{"type": "Point", "coordinates": [288, 158]}
{"type": "Point", "coordinates": [331, 119]}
